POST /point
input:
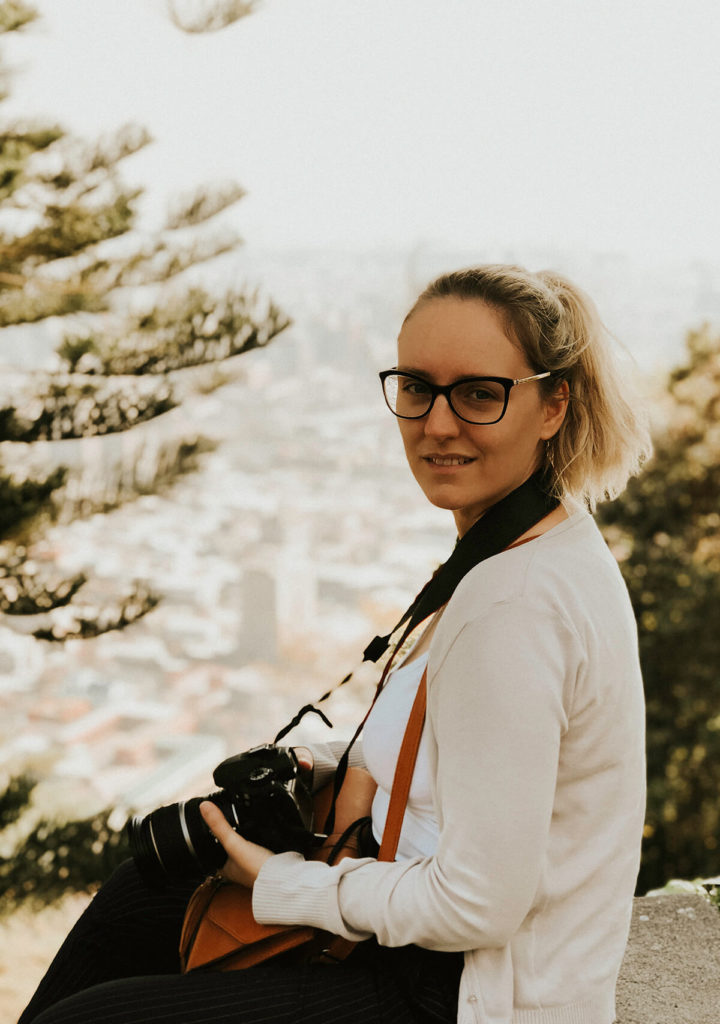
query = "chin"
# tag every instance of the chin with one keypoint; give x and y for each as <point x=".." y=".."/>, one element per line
<point x="449" y="502"/>
<point x="445" y="503"/>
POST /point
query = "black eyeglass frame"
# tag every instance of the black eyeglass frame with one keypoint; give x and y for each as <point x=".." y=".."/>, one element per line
<point x="446" y="390"/>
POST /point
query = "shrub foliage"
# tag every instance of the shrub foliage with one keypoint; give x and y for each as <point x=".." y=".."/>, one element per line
<point x="666" y="531"/>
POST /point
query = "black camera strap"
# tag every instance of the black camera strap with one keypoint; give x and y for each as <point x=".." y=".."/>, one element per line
<point x="502" y="524"/>
<point x="498" y="528"/>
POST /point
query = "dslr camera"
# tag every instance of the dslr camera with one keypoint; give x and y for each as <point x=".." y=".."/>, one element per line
<point x="261" y="795"/>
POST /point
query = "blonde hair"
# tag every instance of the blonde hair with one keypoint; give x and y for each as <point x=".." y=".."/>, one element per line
<point x="604" y="438"/>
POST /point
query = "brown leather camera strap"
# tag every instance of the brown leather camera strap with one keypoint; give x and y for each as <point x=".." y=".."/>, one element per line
<point x="342" y="767"/>
<point x="403" y="774"/>
<point x="341" y="948"/>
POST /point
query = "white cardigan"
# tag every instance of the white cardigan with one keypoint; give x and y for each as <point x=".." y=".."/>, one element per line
<point x="536" y="740"/>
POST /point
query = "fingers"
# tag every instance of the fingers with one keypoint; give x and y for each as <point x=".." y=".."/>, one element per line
<point x="244" y="858"/>
<point x="306" y="764"/>
<point x="304" y="757"/>
<point x="217" y="823"/>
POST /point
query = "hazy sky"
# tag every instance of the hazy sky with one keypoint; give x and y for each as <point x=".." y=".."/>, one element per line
<point x="590" y="123"/>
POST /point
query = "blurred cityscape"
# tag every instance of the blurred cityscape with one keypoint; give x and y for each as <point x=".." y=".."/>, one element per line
<point x="299" y="537"/>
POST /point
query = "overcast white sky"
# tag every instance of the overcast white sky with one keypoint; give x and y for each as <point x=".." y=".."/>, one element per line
<point x="590" y="123"/>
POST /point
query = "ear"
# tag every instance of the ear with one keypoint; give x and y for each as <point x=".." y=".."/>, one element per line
<point x="555" y="408"/>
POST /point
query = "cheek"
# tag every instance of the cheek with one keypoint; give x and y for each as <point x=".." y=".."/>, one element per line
<point x="410" y="434"/>
<point x="486" y="439"/>
<point x="516" y="433"/>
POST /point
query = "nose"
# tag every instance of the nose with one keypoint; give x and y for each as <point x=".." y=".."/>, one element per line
<point x="441" y="421"/>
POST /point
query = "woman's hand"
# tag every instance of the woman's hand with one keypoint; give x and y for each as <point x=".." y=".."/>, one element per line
<point x="244" y="858"/>
<point x="306" y="764"/>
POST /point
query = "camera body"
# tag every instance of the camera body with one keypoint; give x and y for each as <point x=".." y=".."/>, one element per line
<point x="261" y="795"/>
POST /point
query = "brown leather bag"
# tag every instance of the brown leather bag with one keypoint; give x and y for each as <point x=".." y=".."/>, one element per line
<point x="219" y="931"/>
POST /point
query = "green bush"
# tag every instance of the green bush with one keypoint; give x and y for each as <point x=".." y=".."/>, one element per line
<point x="666" y="531"/>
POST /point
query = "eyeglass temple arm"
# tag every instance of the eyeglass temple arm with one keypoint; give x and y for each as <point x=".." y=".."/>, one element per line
<point x="535" y="376"/>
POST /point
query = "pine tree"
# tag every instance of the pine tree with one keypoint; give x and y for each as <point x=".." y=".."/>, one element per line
<point x="71" y="242"/>
<point x="56" y="856"/>
<point x="665" y="530"/>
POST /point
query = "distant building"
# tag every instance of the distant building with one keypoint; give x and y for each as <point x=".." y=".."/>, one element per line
<point x="259" y="630"/>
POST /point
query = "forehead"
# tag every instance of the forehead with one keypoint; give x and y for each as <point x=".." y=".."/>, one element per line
<point x="449" y="337"/>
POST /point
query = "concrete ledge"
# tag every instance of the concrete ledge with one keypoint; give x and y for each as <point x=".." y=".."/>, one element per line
<point x="671" y="970"/>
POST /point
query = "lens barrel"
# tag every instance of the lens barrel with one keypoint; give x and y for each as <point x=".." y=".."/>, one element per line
<point x="173" y="842"/>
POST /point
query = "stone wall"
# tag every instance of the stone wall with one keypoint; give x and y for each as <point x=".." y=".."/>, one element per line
<point x="671" y="971"/>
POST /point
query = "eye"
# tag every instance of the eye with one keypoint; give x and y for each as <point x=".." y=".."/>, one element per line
<point x="414" y="388"/>
<point x="480" y="392"/>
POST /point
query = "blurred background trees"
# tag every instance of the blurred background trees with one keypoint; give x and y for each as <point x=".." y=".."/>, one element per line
<point x="52" y="856"/>
<point x="665" y="531"/>
<point x="135" y="335"/>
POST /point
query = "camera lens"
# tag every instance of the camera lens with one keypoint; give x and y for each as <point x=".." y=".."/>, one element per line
<point x="262" y="800"/>
<point x="174" y="841"/>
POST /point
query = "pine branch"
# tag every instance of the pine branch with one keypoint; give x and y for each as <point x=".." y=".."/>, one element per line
<point x="17" y="146"/>
<point x="66" y="231"/>
<point x="15" y="14"/>
<point x="58" y="857"/>
<point x="27" y="140"/>
<point x="55" y="407"/>
<point x="204" y="203"/>
<point x="199" y="16"/>
<point x="24" y="590"/>
<point x="79" y="161"/>
<point x="30" y="306"/>
<point x="156" y="263"/>
<point x="28" y="297"/>
<point x="80" y="619"/>
<point x="15" y="798"/>
<point x="20" y="499"/>
<point x="192" y="329"/>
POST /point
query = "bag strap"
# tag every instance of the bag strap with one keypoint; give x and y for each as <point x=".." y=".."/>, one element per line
<point x="340" y="948"/>
<point x="403" y="774"/>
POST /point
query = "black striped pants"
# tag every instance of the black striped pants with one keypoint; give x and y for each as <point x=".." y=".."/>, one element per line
<point x="119" y="965"/>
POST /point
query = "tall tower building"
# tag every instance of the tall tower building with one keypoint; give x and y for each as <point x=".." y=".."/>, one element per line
<point x="259" y="639"/>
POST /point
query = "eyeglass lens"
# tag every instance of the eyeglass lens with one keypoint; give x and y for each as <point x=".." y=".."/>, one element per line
<point x="478" y="401"/>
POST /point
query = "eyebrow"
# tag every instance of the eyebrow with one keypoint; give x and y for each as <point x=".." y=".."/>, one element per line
<point x="410" y="369"/>
<point x="426" y="376"/>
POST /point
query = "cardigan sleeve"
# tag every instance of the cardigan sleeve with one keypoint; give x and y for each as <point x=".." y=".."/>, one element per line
<point x="496" y="714"/>
<point x="326" y="757"/>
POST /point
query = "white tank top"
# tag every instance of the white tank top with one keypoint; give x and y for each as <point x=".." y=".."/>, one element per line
<point x="382" y="737"/>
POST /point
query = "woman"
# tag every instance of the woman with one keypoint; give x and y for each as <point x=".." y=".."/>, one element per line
<point x="510" y="897"/>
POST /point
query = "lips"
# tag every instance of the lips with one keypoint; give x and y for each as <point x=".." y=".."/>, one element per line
<point x="447" y="460"/>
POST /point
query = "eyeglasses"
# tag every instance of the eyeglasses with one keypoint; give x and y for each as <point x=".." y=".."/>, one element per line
<point x="479" y="400"/>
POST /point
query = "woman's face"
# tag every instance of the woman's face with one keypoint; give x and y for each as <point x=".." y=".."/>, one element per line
<point x="463" y="466"/>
